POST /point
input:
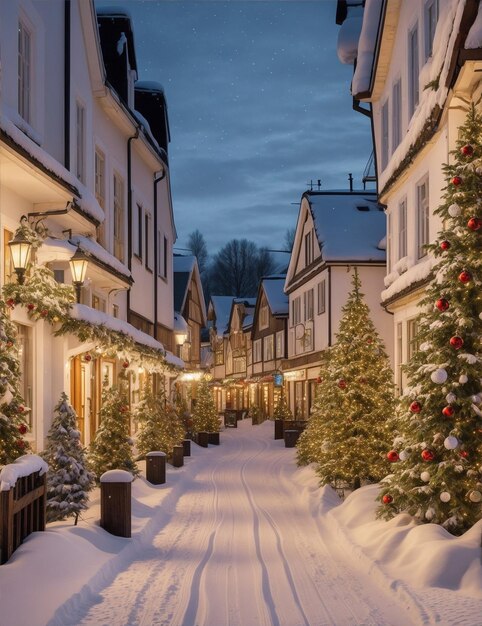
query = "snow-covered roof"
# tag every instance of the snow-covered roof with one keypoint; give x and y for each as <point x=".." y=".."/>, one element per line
<point x="349" y="225"/>
<point x="183" y="263"/>
<point x="222" y="310"/>
<point x="86" y="200"/>
<point x="277" y="299"/>
<point x="149" y="85"/>
<point x="248" y="321"/>
<point x="180" y="324"/>
<point x="406" y="273"/>
<point x="112" y="11"/>
<point x="367" y="42"/>
<point x="349" y="35"/>
<point x="93" y="248"/>
<point x="474" y="38"/>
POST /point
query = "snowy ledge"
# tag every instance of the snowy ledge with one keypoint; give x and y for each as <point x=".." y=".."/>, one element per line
<point x="87" y="201"/>
<point x="414" y="274"/>
<point x="23" y="466"/>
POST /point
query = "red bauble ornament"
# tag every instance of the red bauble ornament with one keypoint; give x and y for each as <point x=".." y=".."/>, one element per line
<point x="21" y="408"/>
<point x="125" y="365"/>
<point x="124" y="409"/>
<point x="342" y="384"/>
<point x="442" y="304"/>
<point x="319" y="379"/>
<point x="30" y="306"/>
<point x="464" y="454"/>
<point x="387" y="499"/>
<point x="20" y="443"/>
<point x="457" y="180"/>
<point x="456" y="342"/>
<point x="448" y="411"/>
<point x="415" y="407"/>
<point x="392" y="456"/>
<point x="11" y="303"/>
<point x="44" y="312"/>
<point x="428" y="455"/>
<point x="9" y="344"/>
<point x="363" y="381"/>
<point x="465" y="277"/>
<point x="445" y="245"/>
<point x="467" y="150"/>
<point x="88" y="358"/>
<point x="22" y="429"/>
<point x="474" y="223"/>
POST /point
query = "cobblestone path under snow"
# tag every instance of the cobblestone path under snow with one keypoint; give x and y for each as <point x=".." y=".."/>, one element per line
<point x="240" y="546"/>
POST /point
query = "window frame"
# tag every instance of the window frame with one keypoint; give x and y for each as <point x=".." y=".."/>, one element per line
<point x="396" y="114"/>
<point x="321" y="293"/>
<point x="309" y="309"/>
<point x="118" y="215"/>
<point x="423" y="217"/>
<point x="413" y="68"/>
<point x="308" y="239"/>
<point x="402" y="228"/>
<point x="385" y="143"/>
<point x="430" y="20"/>
<point x="268" y="348"/>
<point x="80" y="140"/>
<point x="280" y="344"/>
<point x="147" y="234"/>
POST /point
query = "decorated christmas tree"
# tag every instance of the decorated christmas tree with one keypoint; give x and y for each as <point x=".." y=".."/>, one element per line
<point x="437" y="471"/>
<point x="68" y="479"/>
<point x="161" y="428"/>
<point x="204" y="414"/>
<point x="282" y="410"/>
<point x="355" y="399"/>
<point x="12" y="409"/>
<point x="112" y="446"/>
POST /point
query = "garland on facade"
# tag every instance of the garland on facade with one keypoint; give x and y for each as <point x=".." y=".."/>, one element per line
<point x="46" y="299"/>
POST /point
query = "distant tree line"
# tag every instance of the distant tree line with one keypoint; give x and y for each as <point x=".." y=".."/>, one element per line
<point x="236" y="269"/>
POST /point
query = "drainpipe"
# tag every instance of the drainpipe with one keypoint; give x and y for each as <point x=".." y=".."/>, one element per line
<point x="67" y="84"/>
<point x="129" y="213"/>
<point x="329" y="305"/>
<point x="156" y="248"/>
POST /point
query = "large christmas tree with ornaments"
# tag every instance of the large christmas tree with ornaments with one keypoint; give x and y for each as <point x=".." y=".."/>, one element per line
<point x="436" y="472"/>
<point x="355" y="398"/>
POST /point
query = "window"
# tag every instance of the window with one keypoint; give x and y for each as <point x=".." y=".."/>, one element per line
<point x="98" y="303"/>
<point x="396" y="114"/>
<point x="268" y="348"/>
<point x="80" y="142"/>
<point x="308" y="302"/>
<point x="137" y="231"/>
<point x="399" y="372"/>
<point x="422" y="218"/>
<point x="389" y="243"/>
<point x="296" y="311"/>
<point x="412" y="343"/>
<point x="99" y="184"/>
<point x="321" y="288"/>
<point x="413" y="69"/>
<point x="25" y="354"/>
<point x="59" y="276"/>
<point x="280" y="344"/>
<point x="384" y="160"/>
<point x="24" y="72"/>
<point x="219" y="354"/>
<point x="263" y="316"/>
<point x="239" y="364"/>
<point x="402" y="229"/>
<point x="308" y="248"/>
<point x="118" y="217"/>
<point x="257" y="351"/>
<point x="115" y="310"/>
<point x="430" y="22"/>
<point x="164" y="265"/>
<point x="148" y="230"/>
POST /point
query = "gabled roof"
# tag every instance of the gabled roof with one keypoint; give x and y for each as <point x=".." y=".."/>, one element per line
<point x="220" y="307"/>
<point x="249" y="305"/>
<point x="349" y="225"/>
<point x="273" y="287"/>
<point x="185" y="270"/>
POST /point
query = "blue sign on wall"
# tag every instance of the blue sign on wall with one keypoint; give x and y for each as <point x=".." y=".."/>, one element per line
<point x="278" y="380"/>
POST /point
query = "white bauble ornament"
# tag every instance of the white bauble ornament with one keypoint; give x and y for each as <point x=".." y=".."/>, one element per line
<point x="454" y="210"/>
<point x="439" y="376"/>
<point x="445" y="496"/>
<point x="425" y="346"/>
<point x="429" y="514"/>
<point x="475" y="496"/>
<point x="425" y="476"/>
<point x="476" y="399"/>
<point x="403" y="456"/>
<point x="459" y="469"/>
<point x="463" y="379"/>
<point x="451" y="398"/>
<point x="451" y="442"/>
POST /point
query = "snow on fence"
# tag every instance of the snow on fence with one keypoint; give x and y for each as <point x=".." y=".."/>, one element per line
<point x="23" y="498"/>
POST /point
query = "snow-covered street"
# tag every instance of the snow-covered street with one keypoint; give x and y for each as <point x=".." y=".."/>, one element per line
<point x="242" y="537"/>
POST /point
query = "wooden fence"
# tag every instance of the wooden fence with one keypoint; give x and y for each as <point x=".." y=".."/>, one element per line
<point x="22" y="511"/>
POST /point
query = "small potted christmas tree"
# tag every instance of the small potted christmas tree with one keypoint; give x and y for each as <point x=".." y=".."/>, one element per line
<point x="281" y="412"/>
<point x="68" y="480"/>
<point x="205" y="416"/>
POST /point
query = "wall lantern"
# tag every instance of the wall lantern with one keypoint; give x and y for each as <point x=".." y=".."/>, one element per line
<point x="20" y="253"/>
<point x="78" y="266"/>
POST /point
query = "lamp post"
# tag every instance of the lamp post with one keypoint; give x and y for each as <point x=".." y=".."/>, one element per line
<point x="20" y="253"/>
<point x="78" y="267"/>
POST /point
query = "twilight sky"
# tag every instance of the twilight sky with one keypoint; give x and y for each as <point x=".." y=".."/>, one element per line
<point x="259" y="105"/>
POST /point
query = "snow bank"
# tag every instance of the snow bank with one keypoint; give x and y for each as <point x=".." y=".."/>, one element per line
<point x="156" y="453"/>
<point x="410" y="275"/>
<point x="23" y="466"/>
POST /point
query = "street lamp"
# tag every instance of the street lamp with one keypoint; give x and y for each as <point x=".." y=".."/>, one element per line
<point x="20" y="253"/>
<point x="78" y="267"/>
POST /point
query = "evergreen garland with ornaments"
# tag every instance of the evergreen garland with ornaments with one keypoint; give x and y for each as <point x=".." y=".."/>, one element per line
<point x="68" y="480"/>
<point x="436" y="459"/>
<point x="13" y="426"/>
<point x="112" y="445"/>
<point x="348" y="426"/>
<point x="204" y="413"/>
<point x="161" y="428"/>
